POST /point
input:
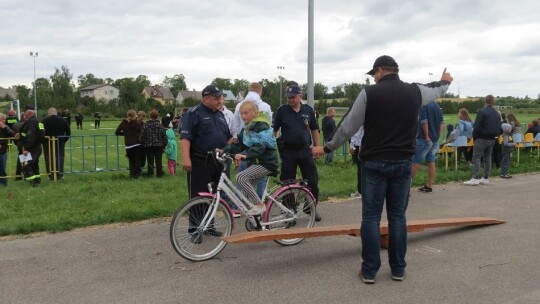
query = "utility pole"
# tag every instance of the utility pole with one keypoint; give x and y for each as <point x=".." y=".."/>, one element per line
<point x="35" y="54"/>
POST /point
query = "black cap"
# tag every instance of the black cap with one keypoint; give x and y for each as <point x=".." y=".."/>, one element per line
<point x="29" y="107"/>
<point x="211" y="90"/>
<point x="383" y="61"/>
<point x="293" y="90"/>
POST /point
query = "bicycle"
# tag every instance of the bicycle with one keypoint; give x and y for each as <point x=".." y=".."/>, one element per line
<point x="197" y="228"/>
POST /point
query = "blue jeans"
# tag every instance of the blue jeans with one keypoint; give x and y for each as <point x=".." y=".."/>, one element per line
<point x="390" y="180"/>
<point x="3" y="162"/>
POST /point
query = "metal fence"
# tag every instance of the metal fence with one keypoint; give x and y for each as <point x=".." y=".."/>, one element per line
<point x="83" y="154"/>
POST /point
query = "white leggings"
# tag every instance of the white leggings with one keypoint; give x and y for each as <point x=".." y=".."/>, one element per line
<point x="248" y="178"/>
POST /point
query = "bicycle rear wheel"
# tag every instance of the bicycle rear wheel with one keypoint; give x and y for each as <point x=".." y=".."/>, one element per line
<point x="187" y="233"/>
<point x="301" y="202"/>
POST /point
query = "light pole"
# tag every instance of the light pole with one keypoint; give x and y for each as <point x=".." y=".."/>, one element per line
<point x="430" y="74"/>
<point x="35" y="54"/>
<point x="280" y="68"/>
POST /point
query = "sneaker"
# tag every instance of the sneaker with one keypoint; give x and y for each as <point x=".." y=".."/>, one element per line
<point x="507" y="176"/>
<point x="236" y="213"/>
<point x="196" y="238"/>
<point x="356" y="195"/>
<point x="484" y="181"/>
<point x="257" y="209"/>
<point x="213" y="232"/>
<point x="425" y="189"/>
<point x="365" y="279"/>
<point x="398" y="277"/>
<point x="472" y="182"/>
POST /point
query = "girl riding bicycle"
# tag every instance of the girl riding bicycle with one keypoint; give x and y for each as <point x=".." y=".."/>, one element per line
<point x="257" y="145"/>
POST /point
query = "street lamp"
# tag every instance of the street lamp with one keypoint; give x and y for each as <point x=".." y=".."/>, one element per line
<point x="280" y="68"/>
<point x="430" y="74"/>
<point x="35" y="93"/>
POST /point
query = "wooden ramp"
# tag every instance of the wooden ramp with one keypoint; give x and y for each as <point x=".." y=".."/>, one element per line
<point x="354" y="230"/>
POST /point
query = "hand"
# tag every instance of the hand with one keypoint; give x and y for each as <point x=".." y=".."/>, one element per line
<point x="239" y="157"/>
<point x="446" y="76"/>
<point x="317" y="151"/>
<point x="352" y="149"/>
<point x="186" y="164"/>
<point x="25" y="153"/>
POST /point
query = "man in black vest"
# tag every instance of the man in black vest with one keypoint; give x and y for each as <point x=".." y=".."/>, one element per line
<point x="388" y="111"/>
<point x="57" y="132"/>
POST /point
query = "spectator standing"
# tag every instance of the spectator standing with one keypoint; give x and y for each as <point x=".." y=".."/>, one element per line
<point x="355" y="148"/>
<point x="66" y="115"/>
<point x="11" y="119"/>
<point x="172" y="151"/>
<point x="166" y="121"/>
<point x="427" y="142"/>
<point x="97" y="120"/>
<point x="328" y="128"/>
<point x="58" y="128"/>
<point x="154" y="140"/>
<point x="79" y="120"/>
<point x="16" y="128"/>
<point x="141" y="118"/>
<point x="30" y="139"/>
<point x="204" y="129"/>
<point x="130" y="128"/>
<point x="506" y="151"/>
<point x="487" y="127"/>
<point x="387" y="149"/>
<point x="299" y="130"/>
<point x="5" y="132"/>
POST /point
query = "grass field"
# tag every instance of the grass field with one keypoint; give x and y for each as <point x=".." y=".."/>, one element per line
<point x="85" y="198"/>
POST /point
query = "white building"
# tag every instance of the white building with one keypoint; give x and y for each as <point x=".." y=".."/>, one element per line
<point x="100" y="91"/>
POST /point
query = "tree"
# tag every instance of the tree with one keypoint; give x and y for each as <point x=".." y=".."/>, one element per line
<point x="23" y="93"/>
<point x="142" y="82"/>
<point x="239" y="85"/>
<point x="130" y="95"/>
<point x="88" y="80"/>
<point x="176" y="83"/>
<point x="44" y="94"/>
<point x="62" y="88"/>
<point x="222" y="83"/>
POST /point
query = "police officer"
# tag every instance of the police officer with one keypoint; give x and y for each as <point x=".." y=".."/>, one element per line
<point x="57" y="127"/>
<point x="30" y="143"/>
<point x="11" y="119"/>
<point x="299" y="130"/>
<point x="204" y="129"/>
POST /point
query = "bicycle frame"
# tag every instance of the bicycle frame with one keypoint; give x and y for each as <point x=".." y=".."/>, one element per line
<point x="237" y="197"/>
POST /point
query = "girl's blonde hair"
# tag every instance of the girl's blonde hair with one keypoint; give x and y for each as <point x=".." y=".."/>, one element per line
<point x="512" y="118"/>
<point x="464" y="114"/>
<point x="131" y="115"/>
<point x="251" y="105"/>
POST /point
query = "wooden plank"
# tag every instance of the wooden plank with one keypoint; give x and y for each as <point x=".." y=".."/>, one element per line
<point x="354" y="229"/>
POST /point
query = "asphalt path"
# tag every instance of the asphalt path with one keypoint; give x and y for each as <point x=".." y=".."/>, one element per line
<point x="135" y="263"/>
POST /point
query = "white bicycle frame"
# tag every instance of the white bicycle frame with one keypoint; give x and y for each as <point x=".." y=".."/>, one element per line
<point x="237" y="197"/>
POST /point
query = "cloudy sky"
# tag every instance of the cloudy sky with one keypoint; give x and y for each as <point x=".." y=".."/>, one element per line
<point x="489" y="46"/>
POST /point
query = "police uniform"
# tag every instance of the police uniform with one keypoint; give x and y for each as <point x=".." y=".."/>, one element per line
<point x="294" y="144"/>
<point x="207" y="130"/>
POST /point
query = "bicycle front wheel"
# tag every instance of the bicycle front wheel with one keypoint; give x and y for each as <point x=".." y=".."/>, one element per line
<point x="188" y="234"/>
<point x="301" y="204"/>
